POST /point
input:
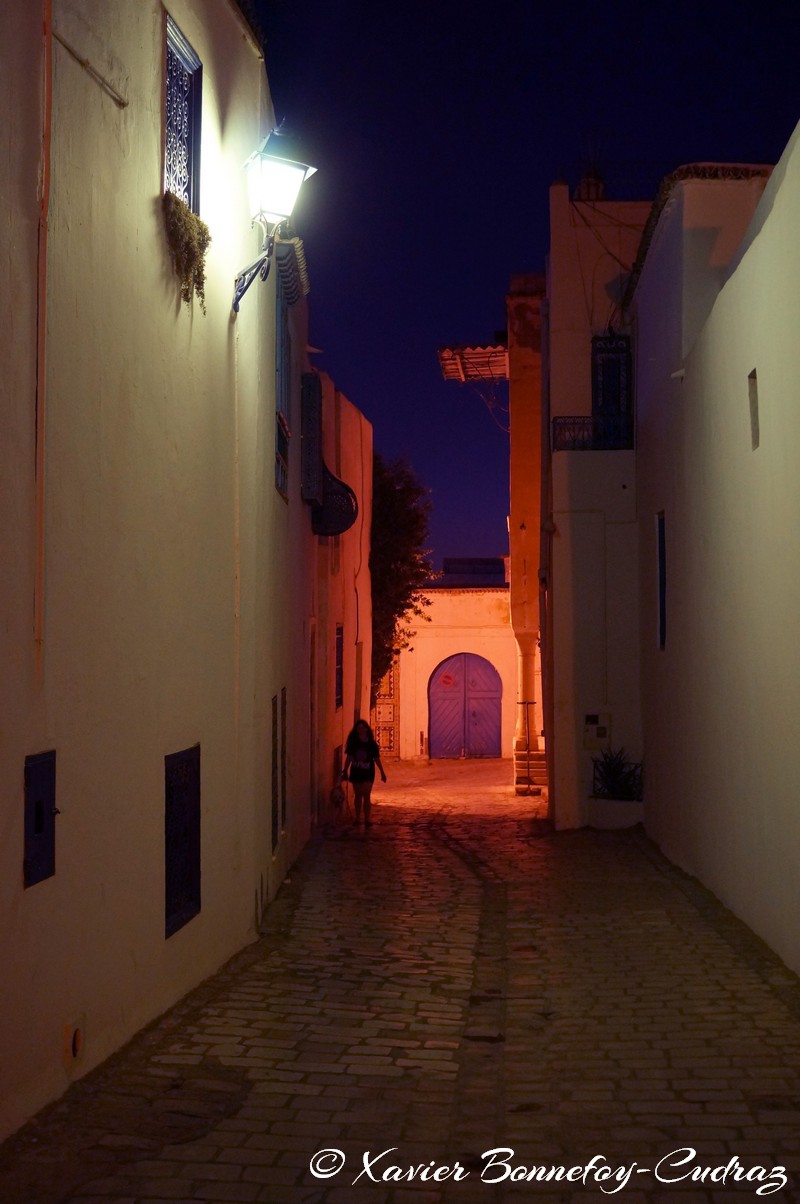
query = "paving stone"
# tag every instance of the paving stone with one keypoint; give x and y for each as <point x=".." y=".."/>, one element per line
<point x="460" y="980"/>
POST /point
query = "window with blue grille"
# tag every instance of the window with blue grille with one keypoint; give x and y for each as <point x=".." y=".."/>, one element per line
<point x="611" y="376"/>
<point x="181" y="838"/>
<point x="39" y="851"/>
<point x="612" y="391"/>
<point x="182" y="114"/>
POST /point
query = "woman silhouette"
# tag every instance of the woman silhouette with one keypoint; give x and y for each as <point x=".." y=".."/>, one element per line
<point x="361" y="756"/>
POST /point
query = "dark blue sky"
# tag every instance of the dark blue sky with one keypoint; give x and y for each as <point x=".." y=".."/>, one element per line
<point x="438" y="128"/>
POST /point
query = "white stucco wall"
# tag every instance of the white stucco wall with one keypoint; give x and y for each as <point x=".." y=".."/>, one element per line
<point x="591" y="661"/>
<point x="595" y="620"/>
<point x="178" y="594"/>
<point x="461" y="620"/>
<point x="344" y="595"/>
<point x="722" y="696"/>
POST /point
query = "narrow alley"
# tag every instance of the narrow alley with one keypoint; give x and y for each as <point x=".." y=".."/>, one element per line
<point x="453" y="981"/>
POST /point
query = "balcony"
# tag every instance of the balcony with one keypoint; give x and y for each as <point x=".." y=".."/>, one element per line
<point x="585" y="433"/>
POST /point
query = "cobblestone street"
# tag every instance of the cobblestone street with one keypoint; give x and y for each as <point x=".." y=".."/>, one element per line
<point x="453" y="980"/>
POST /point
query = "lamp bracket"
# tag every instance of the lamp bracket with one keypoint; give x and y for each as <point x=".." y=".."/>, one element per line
<point x="259" y="267"/>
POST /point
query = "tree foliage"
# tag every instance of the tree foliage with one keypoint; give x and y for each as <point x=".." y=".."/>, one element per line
<point x="398" y="559"/>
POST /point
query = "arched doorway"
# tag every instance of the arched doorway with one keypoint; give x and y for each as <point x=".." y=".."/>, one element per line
<point x="464" y="708"/>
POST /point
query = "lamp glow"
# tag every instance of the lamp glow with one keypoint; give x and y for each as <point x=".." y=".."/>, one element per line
<point x="274" y="186"/>
<point x="274" y="181"/>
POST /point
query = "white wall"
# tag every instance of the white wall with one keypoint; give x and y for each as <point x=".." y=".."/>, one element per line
<point x="461" y="620"/>
<point x="591" y="659"/>
<point x="177" y="583"/>
<point x="721" y="698"/>
<point x="595" y="621"/>
<point x="345" y="591"/>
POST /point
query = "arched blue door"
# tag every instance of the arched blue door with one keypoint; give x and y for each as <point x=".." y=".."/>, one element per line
<point x="464" y="707"/>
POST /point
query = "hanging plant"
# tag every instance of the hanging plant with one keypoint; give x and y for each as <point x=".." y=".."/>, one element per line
<point x="188" y="238"/>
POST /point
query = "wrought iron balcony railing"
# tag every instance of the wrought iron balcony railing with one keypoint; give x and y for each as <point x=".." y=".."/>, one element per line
<point x="593" y="434"/>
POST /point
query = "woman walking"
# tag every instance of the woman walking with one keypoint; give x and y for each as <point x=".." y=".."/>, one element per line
<point x="361" y="756"/>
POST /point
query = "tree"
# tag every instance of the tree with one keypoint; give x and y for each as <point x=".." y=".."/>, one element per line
<point x="398" y="561"/>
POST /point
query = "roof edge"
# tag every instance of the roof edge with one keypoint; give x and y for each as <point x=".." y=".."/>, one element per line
<point x="689" y="171"/>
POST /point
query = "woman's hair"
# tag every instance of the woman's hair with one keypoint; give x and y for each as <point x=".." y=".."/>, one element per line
<point x="354" y="736"/>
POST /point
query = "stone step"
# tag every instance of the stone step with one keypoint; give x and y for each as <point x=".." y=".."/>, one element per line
<point x="530" y="768"/>
<point x="538" y="778"/>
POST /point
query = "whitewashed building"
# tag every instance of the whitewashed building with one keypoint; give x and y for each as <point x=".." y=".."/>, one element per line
<point x="455" y="683"/>
<point x="588" y="570"/>
<point x="170" y="497"/>
<point x="670" y="555"/>
<point x="716" y="306"/>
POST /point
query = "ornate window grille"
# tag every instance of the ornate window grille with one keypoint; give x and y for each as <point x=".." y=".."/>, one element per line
<point x="183" y="105"/>
<point x="585" y="433"/>
<point x="611" y="376"/>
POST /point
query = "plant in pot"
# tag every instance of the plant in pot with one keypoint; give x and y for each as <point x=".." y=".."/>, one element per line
<point x="616" y="777"/>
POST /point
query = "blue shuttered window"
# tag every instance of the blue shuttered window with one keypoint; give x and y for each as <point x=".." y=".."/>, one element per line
<point x="311" y="439"/>
<point x="276" y="813"/>
<point x="283" y="389"/>
<point x="283" y="757"/>
<point x="181" y="838"/>
<point x="39" y="855"/>
<point x="661" y="529"/>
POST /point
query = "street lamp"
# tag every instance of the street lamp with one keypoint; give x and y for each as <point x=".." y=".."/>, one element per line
<point x="274" y="180"/>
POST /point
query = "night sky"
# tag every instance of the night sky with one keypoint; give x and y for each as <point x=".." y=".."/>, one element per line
<point x="437" y="129"/>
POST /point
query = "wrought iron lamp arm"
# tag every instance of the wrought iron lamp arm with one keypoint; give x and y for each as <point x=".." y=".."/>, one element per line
<point x="259" y="267"/>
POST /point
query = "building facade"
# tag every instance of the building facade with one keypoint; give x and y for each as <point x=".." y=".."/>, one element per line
<point x="168" y="699"/>
<point x="514" y="362"/>
<point x="588" y="570"/>
<point x="715" y="306"/>
<point x="344" y="604"/>
<point x="669" y="555"/>
<point x="457" y="679"/>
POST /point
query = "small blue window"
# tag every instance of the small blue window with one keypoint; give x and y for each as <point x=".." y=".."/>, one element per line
<point x="183" y="107"/>
<point x="39" y="855"/>
<point x="283" y="390"/>
<point x="283" y="757"/>
<point x="276" y="812"/>
<point x="181" y="838"/>
<point x="662" y="580"/>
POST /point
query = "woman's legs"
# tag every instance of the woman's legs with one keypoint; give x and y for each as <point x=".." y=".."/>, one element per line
<point x="367" y="802"/>
<point x="361" y="795"/>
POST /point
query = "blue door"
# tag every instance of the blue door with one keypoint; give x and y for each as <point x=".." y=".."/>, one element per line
<point x="464" y="707"/>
